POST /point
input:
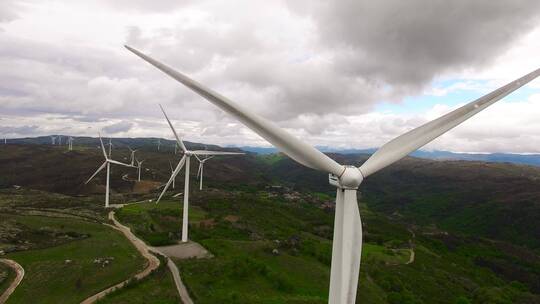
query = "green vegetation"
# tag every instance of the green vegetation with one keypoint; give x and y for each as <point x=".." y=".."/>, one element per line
<point x="74" y="270"/>
<point x="158" y="287"/>
<point x="158" y="224"/>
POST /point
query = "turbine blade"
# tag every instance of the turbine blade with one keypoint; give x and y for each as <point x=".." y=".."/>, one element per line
<point x="118" y="163"/>
<point x="103" y="147"/>
<point x="178" y="140"/>
<point x="97" y="171"/>
<point x="402" y="145"/>
<point x="206" y="152"/>
<point x="290" y="145"/>
<point x="173" y="176"/>
<point x="200" y="167"/>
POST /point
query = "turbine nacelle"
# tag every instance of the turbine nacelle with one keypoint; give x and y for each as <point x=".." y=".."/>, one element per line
<point x="350" y="179"/>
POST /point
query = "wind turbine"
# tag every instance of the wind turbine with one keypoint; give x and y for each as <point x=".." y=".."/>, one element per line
<point x="53" y="140"/>
<point x="347" y="242"/>
<point x="139" y="166"/>
<point x="70" y="143"/>
<point x="59" y="140"/>
<point x="158" y="143"/>
<point x="201" y="168"/>
<point x="110" y="146"/>
<point x="132" y="156"/>
<point x="107" y="163"/>
<point x="186" y="159"/>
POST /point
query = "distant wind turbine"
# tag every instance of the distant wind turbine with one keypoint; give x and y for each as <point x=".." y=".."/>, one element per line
<point x="201" y="168"/>
<point x="110" y="146"/>
<point x="59" y="140"/>
<point x="172" y="171"/>
<point x="70" y="143"/>
<point x="132" y="156"/>
<point x="139" y="166"/>
<point x="158" y="143"/>
<point x="186" y="159"/>
<point x="347" y="242"/>
<point x="107" y="163"/>
<point x="53" y="140"/>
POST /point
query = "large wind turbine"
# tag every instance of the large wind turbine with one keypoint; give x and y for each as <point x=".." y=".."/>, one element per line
<point x="347" y="242"/>
<point x="186" y="160"/>
<point x="107" y="163"/>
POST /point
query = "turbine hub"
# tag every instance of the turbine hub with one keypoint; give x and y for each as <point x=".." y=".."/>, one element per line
<point x="351" y="178"/>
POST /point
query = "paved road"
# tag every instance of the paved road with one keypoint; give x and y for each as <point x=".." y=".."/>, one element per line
<point x="153" y="261"/>
<point x="18" y="278"/>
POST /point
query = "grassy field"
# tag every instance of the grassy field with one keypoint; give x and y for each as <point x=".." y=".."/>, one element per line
<point x="157" y="288"/>
<point x="266" y="250"/>
<point x="72" y="271"/>
<point x="158" y="224"/>
<point x="7" y="275"/>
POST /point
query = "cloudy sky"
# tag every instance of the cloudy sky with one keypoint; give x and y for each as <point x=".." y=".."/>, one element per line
<point x="348" y="74"/>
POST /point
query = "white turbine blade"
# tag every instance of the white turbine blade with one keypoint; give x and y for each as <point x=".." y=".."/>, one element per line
<point x="200" y="167"/>
<point x="346" y="249"/>
<point x="97" y="171"/>
<point x="173" y="176"/>
<point x="118" y="163"/>
<point x="103" y="147"/>
<point x="206" y="152"/>
<point x="290" y="145"/>
<point x="403" y="145"/>
<point x="178" y="140"/>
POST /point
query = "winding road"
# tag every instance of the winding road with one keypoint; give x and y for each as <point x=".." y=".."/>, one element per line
<point x="18" y="278"/>
<point x="153" y="261"/>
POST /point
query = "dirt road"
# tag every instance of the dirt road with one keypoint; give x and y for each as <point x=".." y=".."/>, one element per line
<point x="153" y="261"/>
<point x="18" y="278"/>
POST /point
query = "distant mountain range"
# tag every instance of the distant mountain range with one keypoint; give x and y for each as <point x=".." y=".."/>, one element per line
<point x="146" y="143"/>
<point x="525" y="159"/>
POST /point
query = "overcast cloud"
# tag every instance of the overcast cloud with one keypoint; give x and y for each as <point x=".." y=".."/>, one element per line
<point x="322" y="69"/>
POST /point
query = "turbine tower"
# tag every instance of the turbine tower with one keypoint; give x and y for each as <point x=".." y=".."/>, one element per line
<point x="347" y="242"/>
<point x="59" y="140"/>
<point x="158" y="143"/>
<point x="107" y="163"/>
<point x="139" y="166"/>
<point x="186" y="159"/>
<point x="53" y="140"/>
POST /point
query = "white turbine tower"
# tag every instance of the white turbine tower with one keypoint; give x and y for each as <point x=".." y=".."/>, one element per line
<point x="132" y="156"/>
<point x="158" y="143"/>
<point x="107" y="163"/>
<point x="186" y="159"/>
<point x="347" y="242"/>
<point x="59" y="140"/>
<point x="53" y="140"/>
<point x="139" y="166"/>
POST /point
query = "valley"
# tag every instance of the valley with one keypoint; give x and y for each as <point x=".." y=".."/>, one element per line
<point x="269" y="230"/>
